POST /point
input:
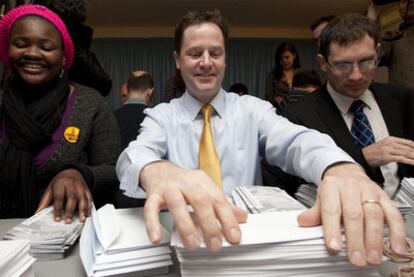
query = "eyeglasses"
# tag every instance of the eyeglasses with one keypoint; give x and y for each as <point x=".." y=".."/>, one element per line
<point x="347" y="67"/>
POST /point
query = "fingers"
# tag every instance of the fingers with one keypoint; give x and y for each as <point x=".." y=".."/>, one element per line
<point x="331" y="210"/>
<point x="396" y="225"/>
<point x="374" y="225"/>
<point x="229" y="216"/>
<point x="184" y="222"/>
<point x="311" y="217"/>
<point x="68" y="190"/>
<point x="71" y="203"/>
<point x="151" y="215"/>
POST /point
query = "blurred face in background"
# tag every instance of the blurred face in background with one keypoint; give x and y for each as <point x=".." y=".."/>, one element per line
<point x="287" y="59"/>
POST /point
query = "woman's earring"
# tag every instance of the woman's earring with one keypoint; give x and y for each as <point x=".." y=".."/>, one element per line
<point x="61" y="73"/>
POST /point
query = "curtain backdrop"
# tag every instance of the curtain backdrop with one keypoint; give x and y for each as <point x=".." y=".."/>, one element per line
<point x="249" y="60"/>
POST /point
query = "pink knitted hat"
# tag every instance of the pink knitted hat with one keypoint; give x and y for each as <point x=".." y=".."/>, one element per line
<point x="6" y="23"/>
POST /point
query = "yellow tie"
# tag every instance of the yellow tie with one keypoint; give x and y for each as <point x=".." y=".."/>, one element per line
<point x="209" y="161"/>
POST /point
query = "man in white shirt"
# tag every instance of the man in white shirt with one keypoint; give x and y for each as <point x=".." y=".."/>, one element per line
<point x="164" y="160"/>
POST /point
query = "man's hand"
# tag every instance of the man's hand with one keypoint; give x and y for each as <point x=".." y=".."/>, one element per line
<point x="348" y="195"/>
<point x="172" y="187"/>
<point x="68" y="188"/>
<point x="390" y="149"/>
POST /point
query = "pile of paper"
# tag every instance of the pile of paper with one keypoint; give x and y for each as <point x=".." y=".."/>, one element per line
<point x="404" y="199"/>
<point x="272" y="245"/>
<point x="261" y="199"/>
<point x="115" y="242"/>
<point x="49" y="240"/>
<point x="406" y="192"/>
<point x="15" y="259"/>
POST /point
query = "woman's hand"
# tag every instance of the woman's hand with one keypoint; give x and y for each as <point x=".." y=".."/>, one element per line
<point x="68" y="190"/>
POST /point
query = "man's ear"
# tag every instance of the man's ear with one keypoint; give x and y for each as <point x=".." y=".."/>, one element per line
<point x="322" y="62"/>
<point x="379" y="49"/>
<point x="150" y="91"/>
<point x="177" y="60"/>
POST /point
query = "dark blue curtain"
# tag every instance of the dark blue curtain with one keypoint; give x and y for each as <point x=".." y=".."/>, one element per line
<point x="248" y="61"/>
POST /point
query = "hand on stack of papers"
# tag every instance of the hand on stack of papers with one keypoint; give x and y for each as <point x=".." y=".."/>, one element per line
<point x="272" y="243"/>
<point x="49" y="240"/>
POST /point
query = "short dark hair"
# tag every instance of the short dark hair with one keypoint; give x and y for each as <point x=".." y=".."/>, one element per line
<point x="347" y="28"/>
<point x="306" y="78"/>
<point x="321" y="20"/>
<point x="239" y="87"/>
<point x="195" y="18"/>
<point x="139" y="83"/>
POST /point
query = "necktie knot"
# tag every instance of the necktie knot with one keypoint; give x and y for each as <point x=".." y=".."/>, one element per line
<point x="357" y="106"/>
<point x="207" y="110"/>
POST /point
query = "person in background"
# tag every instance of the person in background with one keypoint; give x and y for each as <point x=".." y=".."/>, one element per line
<point x="318" y="25"/>
<point x="239" y="88"/>
<point x="279" y="80"/>
<point x="304" y="82"/>
<point x="140" y="87"/>
<point x="199" y="147"/>
<point x="58" y="140"/>
<point x="372" y="122"/>
<point x="397" y="47"/>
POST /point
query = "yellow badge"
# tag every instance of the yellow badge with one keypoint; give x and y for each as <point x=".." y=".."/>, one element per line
<point x="72" y="134"/>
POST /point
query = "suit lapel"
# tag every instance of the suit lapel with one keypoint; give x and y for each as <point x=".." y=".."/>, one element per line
<point x="390" y="109"/>
<point x="331" y="117"/>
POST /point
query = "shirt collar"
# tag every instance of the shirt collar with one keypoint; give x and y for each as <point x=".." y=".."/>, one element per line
<point x="135" y="101"/>
<point x="193" y="106"/>
<point x="344" y="102"/>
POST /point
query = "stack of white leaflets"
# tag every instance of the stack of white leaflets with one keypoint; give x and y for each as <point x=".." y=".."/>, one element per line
<point x="406" y="192"/>
<point x="49" y="240"/>
<point x="272" y="244"/>
<point x="15" y="259"/>
<point x="403" y="200"/>
<point x="260" y="199"/>
<point x="115" y="242"/>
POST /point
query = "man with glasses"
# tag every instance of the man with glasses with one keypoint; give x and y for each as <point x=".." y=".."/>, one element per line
<point x="371" y="122"/>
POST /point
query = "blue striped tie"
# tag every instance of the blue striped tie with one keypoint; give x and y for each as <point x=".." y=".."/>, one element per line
<point x="361" y="129"/>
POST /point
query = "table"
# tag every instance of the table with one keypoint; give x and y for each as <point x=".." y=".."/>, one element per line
<point x="71" y="265"/>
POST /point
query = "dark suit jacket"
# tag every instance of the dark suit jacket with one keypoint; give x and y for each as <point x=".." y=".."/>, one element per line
<point x="318" y="111"/>
<point x="130" y="117"/>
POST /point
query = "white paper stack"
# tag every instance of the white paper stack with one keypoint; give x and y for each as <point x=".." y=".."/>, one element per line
<point x="49" y="240"/>
<point x="272" y="245"/>
<point x="115" y="242"/>
<point x="15" y="259"/>
<point x="406" y="193"/>
<point x="261" y="199"/>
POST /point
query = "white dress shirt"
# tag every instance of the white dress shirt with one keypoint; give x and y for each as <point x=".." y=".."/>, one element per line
<point x="377" y="122"/>
<point x="244" y="129"/>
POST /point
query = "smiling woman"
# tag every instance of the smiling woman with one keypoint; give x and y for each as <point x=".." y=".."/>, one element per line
<point x="58" y="140"/>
